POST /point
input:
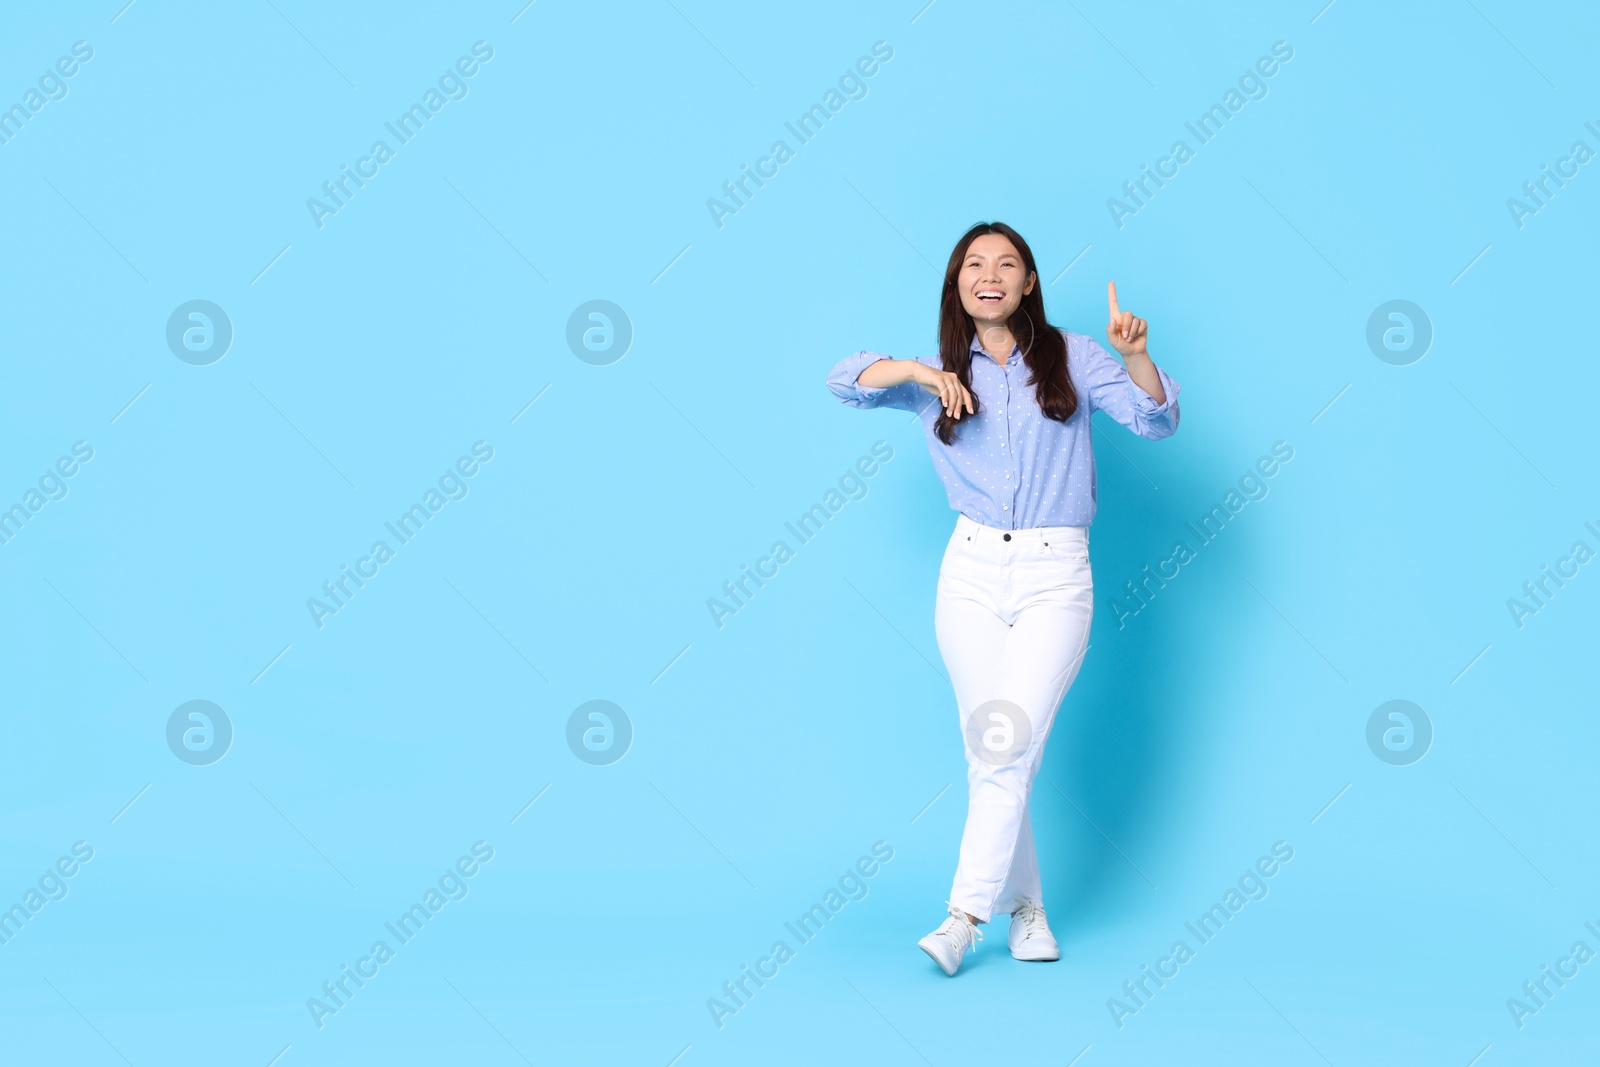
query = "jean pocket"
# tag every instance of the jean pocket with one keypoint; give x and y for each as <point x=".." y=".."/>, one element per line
<point x="1068" y="551"/>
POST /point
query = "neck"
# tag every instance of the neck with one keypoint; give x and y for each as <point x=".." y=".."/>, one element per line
<point x="996" y="340"/>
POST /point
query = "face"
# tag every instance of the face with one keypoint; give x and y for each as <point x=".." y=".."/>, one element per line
<point x="992" y="281"/>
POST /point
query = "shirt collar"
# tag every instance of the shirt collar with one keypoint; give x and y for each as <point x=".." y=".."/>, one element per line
<point x="976" y="348"/>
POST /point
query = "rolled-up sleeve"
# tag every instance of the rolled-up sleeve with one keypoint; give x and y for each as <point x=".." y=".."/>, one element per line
<point x="1113" y="391"/>
<point x="908" y="396"/>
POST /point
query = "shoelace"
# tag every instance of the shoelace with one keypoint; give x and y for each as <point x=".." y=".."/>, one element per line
<point x="974" y="935"/>
<point x="1031" y="916"/>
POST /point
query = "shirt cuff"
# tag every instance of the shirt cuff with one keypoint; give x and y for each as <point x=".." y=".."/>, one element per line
<point x="1146" y="404"/>
<point x="842" y="380"/>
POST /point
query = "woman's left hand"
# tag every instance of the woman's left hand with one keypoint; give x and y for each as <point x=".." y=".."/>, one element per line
<point x="1126" y="333"/>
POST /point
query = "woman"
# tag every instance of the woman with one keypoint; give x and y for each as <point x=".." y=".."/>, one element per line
<point x="1015" y="594"/>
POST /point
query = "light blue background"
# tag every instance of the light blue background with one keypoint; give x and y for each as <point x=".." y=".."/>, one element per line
<point x="771" y="753"/>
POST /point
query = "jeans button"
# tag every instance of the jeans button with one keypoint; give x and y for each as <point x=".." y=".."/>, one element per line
<point x="1007" y="537"/>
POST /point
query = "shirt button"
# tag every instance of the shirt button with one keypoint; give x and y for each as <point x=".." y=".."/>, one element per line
<point x="1005" y="507"/>
<point x="1006" y="536"/>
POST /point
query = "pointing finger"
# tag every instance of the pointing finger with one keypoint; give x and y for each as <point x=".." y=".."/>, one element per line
<point x="1111" y="298"/>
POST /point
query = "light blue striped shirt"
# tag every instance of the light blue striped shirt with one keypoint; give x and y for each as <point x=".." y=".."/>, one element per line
<point x="1010" y="467"/>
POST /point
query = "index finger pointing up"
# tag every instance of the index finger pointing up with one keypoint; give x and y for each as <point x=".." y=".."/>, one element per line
<point x="1111" y="297"/>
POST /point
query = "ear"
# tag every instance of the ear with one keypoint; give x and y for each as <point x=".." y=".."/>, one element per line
<point x="1032" y="278"/>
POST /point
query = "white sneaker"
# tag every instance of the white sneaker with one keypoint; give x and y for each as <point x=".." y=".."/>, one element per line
<point x="1030" y="935"/>
<point x="948" y="944"/>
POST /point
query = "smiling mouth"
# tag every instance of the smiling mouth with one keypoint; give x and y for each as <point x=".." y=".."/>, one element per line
<point x="991" y="296"/>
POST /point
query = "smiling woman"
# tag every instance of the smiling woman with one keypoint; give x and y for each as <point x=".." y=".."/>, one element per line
<point x="1016" y="594"/>
<point x="996" y="282"/>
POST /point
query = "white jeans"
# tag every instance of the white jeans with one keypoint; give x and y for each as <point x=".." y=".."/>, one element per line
<point x="1012" y="618"/>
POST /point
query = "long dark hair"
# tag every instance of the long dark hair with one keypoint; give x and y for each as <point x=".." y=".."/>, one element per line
<point x="1044" y="350"/>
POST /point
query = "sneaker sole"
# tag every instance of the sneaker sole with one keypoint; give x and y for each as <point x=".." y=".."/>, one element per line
<point x="1051" y="958"/>
<point x="950" y="972"/>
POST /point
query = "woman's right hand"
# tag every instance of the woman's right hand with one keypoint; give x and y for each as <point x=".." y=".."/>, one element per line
<point x="946" y="385"/>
